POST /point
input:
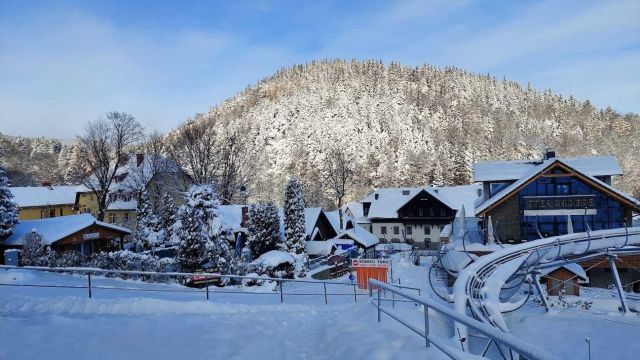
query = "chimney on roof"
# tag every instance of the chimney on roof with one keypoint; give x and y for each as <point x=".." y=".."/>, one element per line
<point x="245" y="217"/>
<point x="139" y="159"/>
<point x="46" y="183"/>
<point x="549" y="153"/>
<point x="376" y="196"/>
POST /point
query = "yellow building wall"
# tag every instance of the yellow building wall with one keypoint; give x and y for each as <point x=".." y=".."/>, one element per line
<point x="88" y="204"/>
<point x="42" y="212"/>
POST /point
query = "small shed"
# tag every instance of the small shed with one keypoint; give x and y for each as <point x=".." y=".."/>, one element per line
<point x="362" y="239"/>
<point x="81" y="233"/>
<point x="567" y="277"/>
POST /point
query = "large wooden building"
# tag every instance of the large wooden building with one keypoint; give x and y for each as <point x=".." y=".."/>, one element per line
<point x="532" y="198"/>
<point x="82" y="233"/>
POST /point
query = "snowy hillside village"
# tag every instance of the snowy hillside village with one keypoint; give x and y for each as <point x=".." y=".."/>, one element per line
<point x="531" y="237"/>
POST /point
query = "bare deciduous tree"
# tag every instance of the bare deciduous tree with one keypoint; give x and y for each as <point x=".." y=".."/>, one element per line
<point x="339" y="173"/>
<point x="213" y="153"/>
<point x="105" y="142"/>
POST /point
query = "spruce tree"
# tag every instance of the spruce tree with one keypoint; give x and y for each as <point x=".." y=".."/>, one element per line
<point x="191" y="228"/>
<point x="167" y="215"/>
<point x="35" y="252"/>
<point x="146" y="235"/>
<point x="264" y="226"/>
<point x="201" y="235"/>
<point x="8" y="209"/>
<point x="294" y="225"/>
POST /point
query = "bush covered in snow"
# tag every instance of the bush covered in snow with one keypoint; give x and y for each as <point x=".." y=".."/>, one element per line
<point x="275" y="264"/>
<point x="130" y="261"/>
<point x="35" y="252"/>
<point x="69" y="259"/>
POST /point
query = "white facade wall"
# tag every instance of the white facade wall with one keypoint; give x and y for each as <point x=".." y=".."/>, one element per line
<point x="418" y="232"/>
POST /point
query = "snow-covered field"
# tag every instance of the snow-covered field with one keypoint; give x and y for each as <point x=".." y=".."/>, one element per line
<point x="52" y="323"/>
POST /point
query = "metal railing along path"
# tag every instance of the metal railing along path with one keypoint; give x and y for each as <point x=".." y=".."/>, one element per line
<point x="494" y="335"/>
<point x="208" y="290"/>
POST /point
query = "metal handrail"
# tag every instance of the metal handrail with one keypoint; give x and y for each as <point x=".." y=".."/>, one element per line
<point x="493" y="334"/>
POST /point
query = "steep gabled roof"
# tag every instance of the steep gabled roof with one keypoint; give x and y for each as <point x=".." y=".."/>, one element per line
<point x="57" y="228"/>
<point x="390" y="200"/>
<point x="32" y="196"/>
<point x="516" y="169"/>
<point x="537" y="171"/>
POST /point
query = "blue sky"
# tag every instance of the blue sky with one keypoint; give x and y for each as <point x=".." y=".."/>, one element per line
<point x="65" y="62"/>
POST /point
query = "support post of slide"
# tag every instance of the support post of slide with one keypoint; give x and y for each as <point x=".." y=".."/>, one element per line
<point x="541" y="294"/>
<point x="616" y="278"/>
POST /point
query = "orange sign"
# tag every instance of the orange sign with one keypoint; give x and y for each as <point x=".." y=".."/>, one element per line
<point x="370" y="269"/>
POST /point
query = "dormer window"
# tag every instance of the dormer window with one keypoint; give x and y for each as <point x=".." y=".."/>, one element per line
<point x="405" y="192"/>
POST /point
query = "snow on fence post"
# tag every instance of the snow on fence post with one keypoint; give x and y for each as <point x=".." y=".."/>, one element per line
<point x="207" y="286"/>
<point x="89" y="287"/>
<point x="324" y="284"/>
<point x="379" y="291"/>
<point x="426" y="325"/>
<point x="355" y="296"/>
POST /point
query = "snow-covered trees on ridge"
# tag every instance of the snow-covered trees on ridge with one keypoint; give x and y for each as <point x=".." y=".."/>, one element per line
<point x="264" y="228"/>
<point x="8" y="209"/>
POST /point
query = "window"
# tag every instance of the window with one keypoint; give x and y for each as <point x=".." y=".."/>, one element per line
<point x="443" y="212"/>
<point x="60" y="212"/>
<point x="409" y="230"/>
<point x="52" y="213"/>
<point x="421" y="211"/>
<point x="383" y="229"/>
<point x="396" y="230"/>
<point x="126" y="216"/>
<point x="427" y="229"/>
<point x="431" y="212"/>
<point x="405" y="192"/>
<point x="112" y="218"/>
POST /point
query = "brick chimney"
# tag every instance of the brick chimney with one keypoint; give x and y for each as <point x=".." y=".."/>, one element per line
<point x="245" y="217"/>
<point x="139" y="159"/>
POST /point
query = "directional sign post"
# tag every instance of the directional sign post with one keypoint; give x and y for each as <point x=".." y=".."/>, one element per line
<point x="370" y="269"/>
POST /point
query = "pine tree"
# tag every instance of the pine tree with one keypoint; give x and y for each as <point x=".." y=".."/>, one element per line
<point x="201" y="235"/>
<point x="8" y="209"/>
<point x="294" y="224"/>
<point x="168" y="215"/>
<point x="146" y="231"/>
<point x="264" y="225"/>
<point x="190" y="230"/>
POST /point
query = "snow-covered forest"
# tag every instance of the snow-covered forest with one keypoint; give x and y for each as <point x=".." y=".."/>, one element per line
<point x="398" y="125"/>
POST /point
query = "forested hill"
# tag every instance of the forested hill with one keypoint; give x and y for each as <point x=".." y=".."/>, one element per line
<point x="406" y="126"/>
<point x="396" y="126"/>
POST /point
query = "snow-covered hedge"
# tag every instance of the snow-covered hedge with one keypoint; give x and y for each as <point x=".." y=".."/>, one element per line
<point x="126" y="260"/>
<point x="275" y="264"/>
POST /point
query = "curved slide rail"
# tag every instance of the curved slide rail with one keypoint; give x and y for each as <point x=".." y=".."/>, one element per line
<point x="478" y="286"/>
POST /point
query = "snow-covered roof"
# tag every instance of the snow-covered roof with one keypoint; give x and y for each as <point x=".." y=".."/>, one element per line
<point x="516" y="169"/>
<point x="571" y="267"/>
<point x="274" y="258"/>
<point x="311" y="216"/>
<point x="538" y="169"/>
<point x="390" y="200"/>
<point x="57" y="228"/>
<point x="321" y="248"/>
<point x="334" y="219"/>
<point x="123" y="205"/>
<point x="231" y="215"/>
<point x="462" y="195"/>
<point x="355" y="208"/>
<point x="359" y="235"/>
<point x="30" y="196"/>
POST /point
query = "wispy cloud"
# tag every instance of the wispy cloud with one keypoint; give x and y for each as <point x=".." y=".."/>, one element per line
<point x="63" y="65"/>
